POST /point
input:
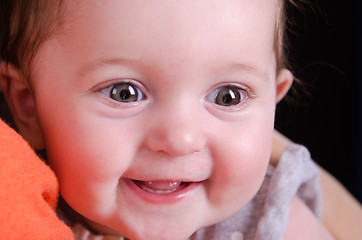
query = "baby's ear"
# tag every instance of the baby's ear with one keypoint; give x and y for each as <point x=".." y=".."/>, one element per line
<point x="21" y="104"/>
<point x="284" y="82"/>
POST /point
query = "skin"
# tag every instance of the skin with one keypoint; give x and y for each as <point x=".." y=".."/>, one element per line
<point x="176" y="159"/>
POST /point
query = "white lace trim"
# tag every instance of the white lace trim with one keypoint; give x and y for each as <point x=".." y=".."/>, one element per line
<point x="81" y="233"/>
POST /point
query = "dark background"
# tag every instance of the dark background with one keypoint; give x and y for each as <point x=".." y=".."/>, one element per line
<point x="326" y="55"/>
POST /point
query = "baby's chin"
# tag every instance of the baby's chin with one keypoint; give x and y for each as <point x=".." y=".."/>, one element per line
<point x="157" y="231"/>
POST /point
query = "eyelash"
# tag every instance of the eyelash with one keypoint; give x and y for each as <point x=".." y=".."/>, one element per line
<point x="235" y="95"/>
<point x="129" y="92"/>
<point x="124" y="92"/>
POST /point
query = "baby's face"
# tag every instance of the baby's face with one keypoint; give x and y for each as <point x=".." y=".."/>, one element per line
<point x="158" y="115"/>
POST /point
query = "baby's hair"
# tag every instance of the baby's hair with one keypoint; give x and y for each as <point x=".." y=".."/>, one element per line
<point x="26" y="25"/>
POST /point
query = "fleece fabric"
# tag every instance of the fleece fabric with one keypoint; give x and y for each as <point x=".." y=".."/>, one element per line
<point x="28" y="192"/>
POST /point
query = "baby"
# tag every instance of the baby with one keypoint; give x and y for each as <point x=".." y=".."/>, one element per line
<point x="157" y="116"/>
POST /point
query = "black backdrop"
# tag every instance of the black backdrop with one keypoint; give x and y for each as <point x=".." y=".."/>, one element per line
<point x="326" y="56"/>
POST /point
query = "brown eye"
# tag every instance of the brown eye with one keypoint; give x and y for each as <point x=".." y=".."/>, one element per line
<point x="226" y="96"/>
<point x="124" y="92"/>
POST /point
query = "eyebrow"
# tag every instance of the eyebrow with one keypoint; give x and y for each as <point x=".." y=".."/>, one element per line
<point x="93" y="65"/>
<point x="253" y="70"/>
<point x="233" y="67"/>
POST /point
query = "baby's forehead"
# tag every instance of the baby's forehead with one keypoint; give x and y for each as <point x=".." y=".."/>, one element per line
<point x="214" y="12"/>
<point x="83" y="13"/>
<point x="195" y="26"/>
<point x="74" y="8"/>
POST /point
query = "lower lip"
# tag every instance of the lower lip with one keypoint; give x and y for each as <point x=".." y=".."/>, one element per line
<point x="168" y="198"/>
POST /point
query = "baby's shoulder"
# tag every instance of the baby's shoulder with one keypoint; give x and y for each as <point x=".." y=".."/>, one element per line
<point x="303" y="224"/>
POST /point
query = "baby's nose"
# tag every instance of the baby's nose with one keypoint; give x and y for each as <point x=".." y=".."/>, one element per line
<point x="177" y="133"/>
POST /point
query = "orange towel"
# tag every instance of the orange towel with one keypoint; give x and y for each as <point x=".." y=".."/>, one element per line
<point x="28" y="192"/>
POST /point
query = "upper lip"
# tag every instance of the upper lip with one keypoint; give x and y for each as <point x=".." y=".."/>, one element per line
<point x="185" y="180"/>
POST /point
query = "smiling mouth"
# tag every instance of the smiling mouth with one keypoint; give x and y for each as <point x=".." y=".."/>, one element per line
<point x="161" y="191"/>
<point x="161" y="187"/>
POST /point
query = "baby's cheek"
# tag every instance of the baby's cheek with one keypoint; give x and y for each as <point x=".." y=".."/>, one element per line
<point x="235" y="181"/>
<point x="239" y="168"/>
